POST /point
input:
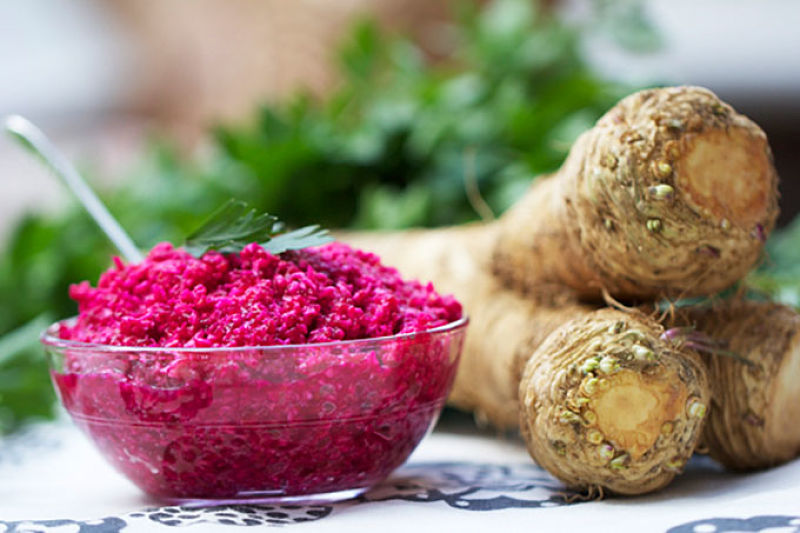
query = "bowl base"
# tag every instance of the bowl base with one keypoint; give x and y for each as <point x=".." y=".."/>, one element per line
<point x="267" y="497"/>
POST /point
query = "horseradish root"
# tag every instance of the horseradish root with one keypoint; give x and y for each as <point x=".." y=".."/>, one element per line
<point x="607" y="404"/>
<point x="754" y="421"/>
<point x="671" y="193"/>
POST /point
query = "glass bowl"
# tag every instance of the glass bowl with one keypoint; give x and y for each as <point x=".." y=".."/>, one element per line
<point x="312" y="422"/>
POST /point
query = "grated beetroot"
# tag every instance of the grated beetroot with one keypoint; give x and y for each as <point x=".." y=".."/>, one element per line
<point x="255" y="423"/>
<point x="254" y="298"/>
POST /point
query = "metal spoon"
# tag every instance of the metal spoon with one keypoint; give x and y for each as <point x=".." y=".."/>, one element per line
<point x="35" y="141"/>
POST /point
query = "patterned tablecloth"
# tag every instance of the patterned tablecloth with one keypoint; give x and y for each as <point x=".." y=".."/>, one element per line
<point x="52" y="480"/>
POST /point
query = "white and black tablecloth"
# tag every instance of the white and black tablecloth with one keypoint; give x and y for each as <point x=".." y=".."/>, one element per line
<point x="51" y="479"/>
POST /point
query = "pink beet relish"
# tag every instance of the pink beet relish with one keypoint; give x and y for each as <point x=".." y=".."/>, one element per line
<point x="253" y="298"/>
<point x="255" y="376"/>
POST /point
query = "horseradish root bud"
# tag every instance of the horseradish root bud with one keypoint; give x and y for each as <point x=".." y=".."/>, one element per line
<point x="662" y="192"/>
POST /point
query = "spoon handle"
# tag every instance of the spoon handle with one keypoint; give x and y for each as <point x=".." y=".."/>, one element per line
<point x="37" y="142"/>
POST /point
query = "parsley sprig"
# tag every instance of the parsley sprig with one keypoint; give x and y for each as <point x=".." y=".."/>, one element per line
<point x="235" y="225"/>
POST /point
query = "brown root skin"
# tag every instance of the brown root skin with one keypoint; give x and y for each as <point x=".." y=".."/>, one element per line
<point x="507" y="330"/>
<point x="756" y="408"/>
<point x="606" y="403"/>
<point x="671" y="193"/>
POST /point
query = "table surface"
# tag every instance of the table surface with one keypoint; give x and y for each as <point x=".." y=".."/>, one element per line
<point x="51" y="479"/>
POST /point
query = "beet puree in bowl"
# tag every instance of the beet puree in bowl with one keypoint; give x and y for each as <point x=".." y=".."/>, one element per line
<point x="307" y="376"/>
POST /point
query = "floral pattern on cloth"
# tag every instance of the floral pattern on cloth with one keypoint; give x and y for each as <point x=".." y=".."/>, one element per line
<point x="764" y="523"/>
<point x="174" y="516"/>
<point x="474" y="486"/>
<point x="253" y="515"/>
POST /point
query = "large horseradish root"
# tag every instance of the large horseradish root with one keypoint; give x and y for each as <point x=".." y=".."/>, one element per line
<point x="755" y="379"/>
<point x="671" y="193"/>
<point x="606" y="403"/>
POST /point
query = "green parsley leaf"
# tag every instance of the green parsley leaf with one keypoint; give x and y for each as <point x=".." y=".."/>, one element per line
<point x="228" y="227"/>
<point x="298" y="239"/>
<point x="235" y="225"/>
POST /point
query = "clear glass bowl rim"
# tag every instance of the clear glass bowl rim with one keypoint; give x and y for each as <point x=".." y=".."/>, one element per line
<point x="50" y="338"/>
